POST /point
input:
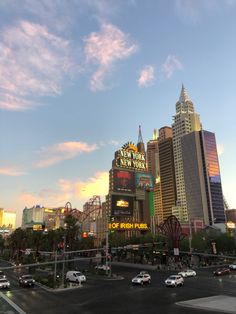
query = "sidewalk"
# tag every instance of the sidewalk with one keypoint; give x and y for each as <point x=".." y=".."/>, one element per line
<point x="218" y="303"/>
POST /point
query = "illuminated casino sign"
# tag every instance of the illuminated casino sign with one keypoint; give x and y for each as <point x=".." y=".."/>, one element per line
<point x="129" y="157"/>
<point x="127" y="226"/>
<point x="123" y="181"/>
<point x="122" y="205"/>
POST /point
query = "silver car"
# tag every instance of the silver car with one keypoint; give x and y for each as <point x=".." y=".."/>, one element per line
<point x="174" y="281"/>
<point x="4" y="283"/>
<point x="141" y="279"/>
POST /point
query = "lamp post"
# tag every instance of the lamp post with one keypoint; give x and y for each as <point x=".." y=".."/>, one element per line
<point x="190" y="235"/>
<point x="63" y="264"/>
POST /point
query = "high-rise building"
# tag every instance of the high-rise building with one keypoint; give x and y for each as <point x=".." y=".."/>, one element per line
<point x="167" y="171"/>
<point x="216" y="199"/>
<point x="185" y="121"/>
<point x="153" y="156"/>
<point x="153" y="168"/>
<point x="202" y="177"/>
<point x="195" y="179"/>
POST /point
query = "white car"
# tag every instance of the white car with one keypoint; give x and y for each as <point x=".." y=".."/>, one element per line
<point x="4" y="283"/>
<point x="174" y="281"/>
<point x="232" y="266"/>
<point x="75" y="276"/>
<point x="102" y="267"/>
<point x="187" y="273"/>
<point x="141" y="279"/>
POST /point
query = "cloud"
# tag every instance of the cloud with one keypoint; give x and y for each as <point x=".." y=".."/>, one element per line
<point x="146" y="76"/>
<point x="103" y="49"/>
<point x="220" y="149"/>
<point x="114" y="142"/>
<point x="170" y="66"/>
<point x="11" y="171"/>
<point x="28" y="199"/>
<point x="78" y="192"/>
<point x="63" y="151"/>
<point x="97" y="185"/>
<point x="33" y="63"/>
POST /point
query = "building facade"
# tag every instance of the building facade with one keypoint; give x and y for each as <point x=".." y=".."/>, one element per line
<point x="167" y="171"/>
<point x="39" y="218"/>
<point x="185" y="121"/>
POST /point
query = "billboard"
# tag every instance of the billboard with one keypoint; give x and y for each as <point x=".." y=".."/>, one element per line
<point x="144" y="181"/>
<point x="123" y="181"/>
<point x="122" y="205"/>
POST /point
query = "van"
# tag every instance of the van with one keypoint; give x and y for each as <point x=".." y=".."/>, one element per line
<point x="75" y="276"/>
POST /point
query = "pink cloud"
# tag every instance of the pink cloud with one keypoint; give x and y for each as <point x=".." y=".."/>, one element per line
<point x="146" y="76"/>
<point x="170" y="66"/>
<point x="33" y="63"/>
<point x="77" y="191"/>
<point x="63" y="151"/>
<point x="11" y="171"/>
<point x="104" y="49"/>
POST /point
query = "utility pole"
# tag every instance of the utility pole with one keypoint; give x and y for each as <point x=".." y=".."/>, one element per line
<point x="106" y="251"/>
<point x="190" y="235"/>
<point x="55" y="269"/>
<point x="63" y="264"/>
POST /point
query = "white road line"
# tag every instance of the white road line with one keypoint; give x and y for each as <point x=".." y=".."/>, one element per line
<point x="16" y="307"/>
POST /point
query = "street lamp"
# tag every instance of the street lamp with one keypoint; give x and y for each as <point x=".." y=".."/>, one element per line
<point x="63" y="264"/>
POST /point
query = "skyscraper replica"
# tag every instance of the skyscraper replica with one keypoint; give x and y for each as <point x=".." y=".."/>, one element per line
<point x="197" y="172"/>
<point x="167" y="171"/>
<point x="185" y="122"/>
<point x="202" y="177"/>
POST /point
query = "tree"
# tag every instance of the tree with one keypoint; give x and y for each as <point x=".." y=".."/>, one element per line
<point x="17" y="241"/>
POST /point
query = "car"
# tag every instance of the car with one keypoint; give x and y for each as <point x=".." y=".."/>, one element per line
<point x="141" y="279"/>
<point x="4" y="283"/>
<point x="26" y="281"/>
<point x="102" y="267"/>
<point x="144" y="272"/>
<point x="2" y="275"/>
<point x="232" y="266"/>
<point x="174" y="281"/>
<point x="187" y="273"/>
<point x="75" y="276"/>
<point x="221" y="271"/>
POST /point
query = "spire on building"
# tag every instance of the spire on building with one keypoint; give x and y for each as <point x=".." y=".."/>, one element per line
<point x="184" y="95"/>
<point x="140" y="138"/>
<point x="140" y="144"/>
<point x="154" y="135"/>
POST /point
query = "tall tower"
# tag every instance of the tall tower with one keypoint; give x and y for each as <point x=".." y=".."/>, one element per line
<point x="185" y="122"/>
<point x="167" y="171"/>
<point x="152" y="155"/>
<point x="154" y="169"/>
<point x="202" y="177"/>
<point x="140" y="144"/>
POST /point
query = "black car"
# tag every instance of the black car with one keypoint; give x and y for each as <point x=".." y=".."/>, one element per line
<point x="26" y="281"/>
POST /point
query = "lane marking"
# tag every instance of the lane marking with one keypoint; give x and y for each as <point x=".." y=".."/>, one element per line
<point x="15" y="306"/>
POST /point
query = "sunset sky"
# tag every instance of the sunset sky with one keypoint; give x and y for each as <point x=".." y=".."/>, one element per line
<point x="77" y="78"/>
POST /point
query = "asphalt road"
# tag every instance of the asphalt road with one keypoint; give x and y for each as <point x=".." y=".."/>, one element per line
<point x="99" y="296"/>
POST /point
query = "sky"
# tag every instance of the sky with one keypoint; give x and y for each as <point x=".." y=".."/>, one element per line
<point x="78" y="77"/>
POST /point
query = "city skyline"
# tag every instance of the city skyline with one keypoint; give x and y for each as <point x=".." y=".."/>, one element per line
<point x="79" y="77"/>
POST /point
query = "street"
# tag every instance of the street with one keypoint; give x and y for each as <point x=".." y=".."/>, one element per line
<point x="101" y="296"/>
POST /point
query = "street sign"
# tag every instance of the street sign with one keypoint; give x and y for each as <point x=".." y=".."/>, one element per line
<point x="176" y="251"/>
<point x="27" y="251"/>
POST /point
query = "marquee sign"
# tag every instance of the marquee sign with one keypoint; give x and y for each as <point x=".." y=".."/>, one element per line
<point x="129" y="157"/>
<point x="127" y="226"/>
